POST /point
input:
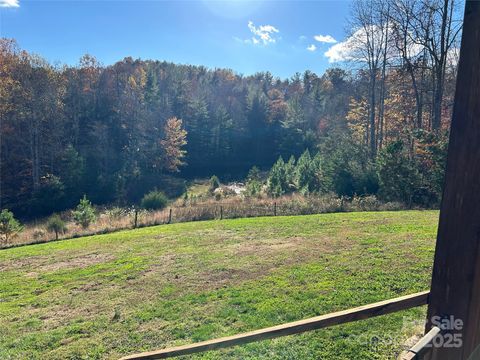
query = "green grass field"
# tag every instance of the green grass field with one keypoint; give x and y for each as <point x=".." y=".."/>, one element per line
<point x="110" y="295"/>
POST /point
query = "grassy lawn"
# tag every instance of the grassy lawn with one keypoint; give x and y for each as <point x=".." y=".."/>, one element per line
<point x="110" y="295"/>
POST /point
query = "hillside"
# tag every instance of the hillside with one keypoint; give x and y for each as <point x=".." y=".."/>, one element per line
<point x="110" y="295"/>
<point x="116" y="132"/>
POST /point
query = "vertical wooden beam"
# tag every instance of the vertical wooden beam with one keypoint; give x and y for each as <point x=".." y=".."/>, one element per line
<point x="455" y="287"/>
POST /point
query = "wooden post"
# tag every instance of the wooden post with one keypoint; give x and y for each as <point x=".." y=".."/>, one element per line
<point x="221" y="212"/>
<point x="135" y="221"/>
<point x="455" y="291"/>
<point x="170" y="216"/>
<point x="275" y="208"/>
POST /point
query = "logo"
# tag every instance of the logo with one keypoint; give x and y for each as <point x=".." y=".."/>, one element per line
<point x="449" y="337"/>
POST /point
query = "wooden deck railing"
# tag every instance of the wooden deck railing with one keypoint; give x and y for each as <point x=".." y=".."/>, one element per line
<point x="296" y="327"/>
<point x="422" y="346"/>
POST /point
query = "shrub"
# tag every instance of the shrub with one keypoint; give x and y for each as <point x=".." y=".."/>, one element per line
<point x="364" y="203"/>
<point x="154" y="200"/>
<point x="116" y="213"/>
<point x="213" y="184"/>
<point x="253" y="186"/>
<point x="9" y="226"/>
<point x="38" y="233"/>
<point x="84" y="214"/>
<point x="56" y="224"/>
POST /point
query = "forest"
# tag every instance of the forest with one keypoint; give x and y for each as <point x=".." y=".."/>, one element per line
<point x="377" y="125"/>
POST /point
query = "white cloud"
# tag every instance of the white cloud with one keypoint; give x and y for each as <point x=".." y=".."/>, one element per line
<point x="264" y="34"/>
<point x="340" y="52"/>
<point x="9" y="3"/>
<point x="325" y="39"/>
<point x="312" y="48"/>
<point x="353" y="48"/>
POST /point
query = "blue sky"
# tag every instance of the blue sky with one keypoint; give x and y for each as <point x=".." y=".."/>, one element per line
<point x="246" y="36"/>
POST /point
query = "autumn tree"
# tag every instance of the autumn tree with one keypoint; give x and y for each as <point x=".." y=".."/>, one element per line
<point x="173" y="143"/>
<point x="369" y="43"/>
<point x="113" y="132"/>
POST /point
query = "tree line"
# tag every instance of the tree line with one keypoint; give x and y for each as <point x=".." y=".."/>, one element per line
<point x="116" y="132"/>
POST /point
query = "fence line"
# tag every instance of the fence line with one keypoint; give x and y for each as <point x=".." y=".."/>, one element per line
<point x="220" y="211"/>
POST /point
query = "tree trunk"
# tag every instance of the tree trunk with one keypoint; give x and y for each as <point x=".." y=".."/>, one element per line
<point x="381" y="114"/>
<point x="440" y="68"/>
<point x="34" y="140"/>
<point x="437" y="101"/>
<point x="373" y="143"/>
<point x="418" y="100"/>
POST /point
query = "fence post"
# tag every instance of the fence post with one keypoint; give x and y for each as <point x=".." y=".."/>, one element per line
<point x="170" y="216"/>
<point x="136" y="219"/>
<point x="221" y="212"/>
<point x="275" y="208"/>
<point x="455" y="289"/>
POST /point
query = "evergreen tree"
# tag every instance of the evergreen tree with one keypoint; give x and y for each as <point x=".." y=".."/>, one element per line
<point x="254" y="183"/>
<point x="213" y="184"/>
<point x="152" y="90"/>
<point x="84" y="214"/>
<point x="277" y="180"/>
<point x="397" y="173"/>
<point x="290" y="174"/>
<point x="305" y="174"/>
<point x="9" y="226"/>
<point x="73" y="171"/>
<point x="56" y="224"/>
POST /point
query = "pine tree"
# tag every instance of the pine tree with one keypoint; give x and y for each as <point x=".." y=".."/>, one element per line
<point x="277" y="181"/>
<point x="397" y="173"/>
<point x="9" y="226"/>
<point x="84" y="214"/>
<point x="254" y="183"/>
<point x="151" y="88"/>
<point x="56" y="224"/>
<point x="305" y="174"/>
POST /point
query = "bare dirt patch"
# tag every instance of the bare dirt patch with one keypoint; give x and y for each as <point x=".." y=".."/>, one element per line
<point x="250" y="248"/>
<point x="77" y="262"/>
<point x="45" y="263"/>
<point x="162" y="265"/>
<point x="21" y="263"/>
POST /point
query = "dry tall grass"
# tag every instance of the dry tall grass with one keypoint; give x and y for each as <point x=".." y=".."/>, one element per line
<point x="115" y="219"/>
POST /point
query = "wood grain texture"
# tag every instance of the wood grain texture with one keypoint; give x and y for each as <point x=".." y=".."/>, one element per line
<point x="455" y="287"/>
<point x="421" y="347"/>
<point x="318" y="322"/>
